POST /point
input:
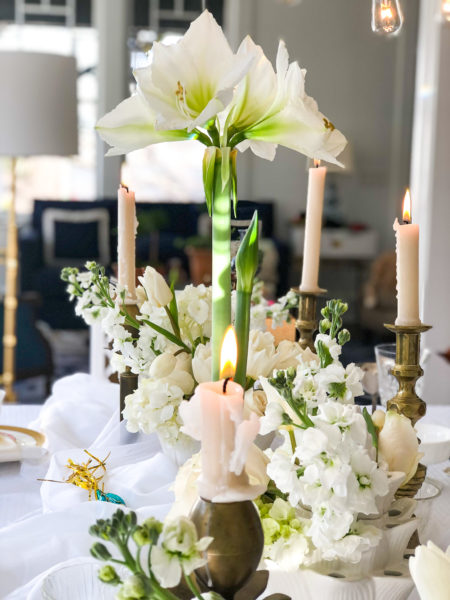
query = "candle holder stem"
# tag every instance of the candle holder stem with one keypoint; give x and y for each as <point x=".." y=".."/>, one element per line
<point x="128" y="381"/>
<point x="307" y="322"/>
<point x="407" y="371"/>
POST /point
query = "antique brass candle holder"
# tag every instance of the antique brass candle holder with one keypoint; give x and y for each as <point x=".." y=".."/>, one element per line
<point x="128" y="381"/>
<point x="407" y="371"/>
<point x="234" y="555"/>
<point x="307" y="322"/>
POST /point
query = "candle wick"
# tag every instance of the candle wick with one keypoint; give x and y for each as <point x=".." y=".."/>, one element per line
<point x="125" y="187"/>
<point x="225" y="383"/>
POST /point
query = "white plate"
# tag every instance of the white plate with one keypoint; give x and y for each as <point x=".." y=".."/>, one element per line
<point x="435" y="443"/>
<point x="13" y="440"/>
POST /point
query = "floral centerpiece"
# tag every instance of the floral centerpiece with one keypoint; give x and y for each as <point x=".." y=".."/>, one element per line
<point x="330" y="467"/>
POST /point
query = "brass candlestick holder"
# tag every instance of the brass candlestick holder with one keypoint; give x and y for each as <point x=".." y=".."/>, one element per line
<point x="234" y="555"/>
<point x="407" y="371"/>
<point x="128" y="381"/>
<point x="307" y="322"/>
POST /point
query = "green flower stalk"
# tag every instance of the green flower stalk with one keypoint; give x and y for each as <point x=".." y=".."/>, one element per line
<point x="246" y="267"/>
<point x="221" y="243"/>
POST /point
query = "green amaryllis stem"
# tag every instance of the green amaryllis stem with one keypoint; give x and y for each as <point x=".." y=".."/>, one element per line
<point x="242" y="326"/>
<point x="221" y="264"/>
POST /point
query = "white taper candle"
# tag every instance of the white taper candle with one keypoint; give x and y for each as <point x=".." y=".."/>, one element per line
<point x="313" y="228"/>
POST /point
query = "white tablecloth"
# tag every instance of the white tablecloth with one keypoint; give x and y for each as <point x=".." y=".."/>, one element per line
<point x="44" y="524"/>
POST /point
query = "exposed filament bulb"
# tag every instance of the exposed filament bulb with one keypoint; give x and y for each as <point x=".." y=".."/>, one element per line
<point x="387" y="17"/>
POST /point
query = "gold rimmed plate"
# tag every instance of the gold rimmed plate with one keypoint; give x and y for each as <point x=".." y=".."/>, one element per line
<point x="13" y="439"/>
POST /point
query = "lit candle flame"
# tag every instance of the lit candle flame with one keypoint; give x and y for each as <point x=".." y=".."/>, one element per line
<point x="316" y="163"/>
<point x="407" y="207"/>
<point x="228" y="354"/>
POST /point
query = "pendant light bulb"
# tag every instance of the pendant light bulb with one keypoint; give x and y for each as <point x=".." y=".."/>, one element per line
<point x="387" y="17"/>
<point x="445" y="8"/>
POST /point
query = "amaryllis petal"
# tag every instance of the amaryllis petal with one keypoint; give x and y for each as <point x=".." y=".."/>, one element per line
<point x="190" y="82"/>
<point x="131" y="126"/>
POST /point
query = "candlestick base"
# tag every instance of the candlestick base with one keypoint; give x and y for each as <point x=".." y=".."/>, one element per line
<point x="307" y="323"/>
<point x="128" y="381"/>
<point x="407" y="371"/>
<point x="234" y="555"/>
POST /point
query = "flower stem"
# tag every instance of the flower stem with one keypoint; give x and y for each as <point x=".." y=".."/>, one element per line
<point x="242" y="326"/>
<point x="192" y="586"/>
<point x="221" y="267"/>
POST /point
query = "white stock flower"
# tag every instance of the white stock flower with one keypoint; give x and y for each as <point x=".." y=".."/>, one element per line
<point x="430" y="570"/>
<point x="333" y="347"/>
<point x="261" y="354"/>
<point x="398" y="444"/>
<point x="273" y="109"/>
<point x="202" y="363"/>
<point x="368" y="483"/>
<point x="343" y="384"/>
<point x="272" y="418"/>
<point x="179" y="551"/>
<point x="155" y="286"/>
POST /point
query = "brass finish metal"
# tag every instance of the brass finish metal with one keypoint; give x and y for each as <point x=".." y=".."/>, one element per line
<point x="407" y="371"/>
<point x="128" y="381"/>
<point x="10" y="300"/>
<point x="234" y="555"/>
<point x="36" y="435"/>
<point x="307" y="322"/>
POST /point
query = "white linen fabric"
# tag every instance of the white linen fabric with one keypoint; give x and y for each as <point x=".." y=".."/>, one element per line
<point x="47" y="523"/>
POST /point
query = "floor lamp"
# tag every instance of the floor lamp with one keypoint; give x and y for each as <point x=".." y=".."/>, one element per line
<point x="38" y="116"/>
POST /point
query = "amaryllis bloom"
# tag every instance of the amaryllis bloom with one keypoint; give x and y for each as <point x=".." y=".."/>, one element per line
<point x="190" y="82"/>
<point x="430" y="569"/>
<point x="273" y="108"/>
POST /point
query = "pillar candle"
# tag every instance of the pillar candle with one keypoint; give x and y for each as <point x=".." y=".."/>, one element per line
<point x="313" y="228"/>
<point x="407" y="247"/>
<point x="126" y="250"/>
<point x="221" y="413"/>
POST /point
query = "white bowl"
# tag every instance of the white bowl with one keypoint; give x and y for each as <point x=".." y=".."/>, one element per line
<point x="76" y="580"/>
<point x="435" y="443"/>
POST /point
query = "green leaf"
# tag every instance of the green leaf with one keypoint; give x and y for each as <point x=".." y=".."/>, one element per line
<point x="370" y="427"/>
<point x="209" y="162"/>
<point x="324" y="354"/>
<point x="167" y="334"/>
<point x="173" y="306"/>
<point x="247" y="257"/>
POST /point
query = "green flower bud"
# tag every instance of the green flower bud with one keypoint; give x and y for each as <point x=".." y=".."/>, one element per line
<point x="154" y="529"/>
<point x="271" y="530"/>
<point x="324" y="325"/>
<point x="108" y="574"/>
<point x="325" y="312"/>
<point x="141" y="536"/>
<point x="291" y="372"/>
<point x="343" y="337"/>
<point x="100" y="552"/>
<point x="134" y="588"/>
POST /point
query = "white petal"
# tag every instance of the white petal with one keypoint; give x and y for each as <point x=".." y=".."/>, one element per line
<point x="131" y="125"/>
<point x="165" y="567"/>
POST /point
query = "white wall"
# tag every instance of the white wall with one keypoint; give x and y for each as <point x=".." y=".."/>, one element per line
<point x="431" y="192"/>
<point x="362" y="82"/>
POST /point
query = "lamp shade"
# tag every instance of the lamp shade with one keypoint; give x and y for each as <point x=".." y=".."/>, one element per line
<point x="38" y="104"/>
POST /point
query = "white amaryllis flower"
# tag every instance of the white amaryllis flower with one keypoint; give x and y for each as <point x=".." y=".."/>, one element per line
<point x="131" y="126"/>
<point x="430" y="569"/>
<point x="180" y="551"/>
<point x="190" y="82"/>
<point x="155" y="286"/>
<point x="398" y="444"/>
<point x="271" y="109"/>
